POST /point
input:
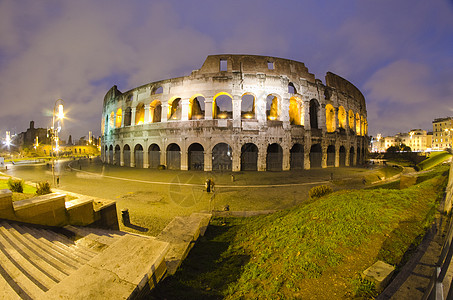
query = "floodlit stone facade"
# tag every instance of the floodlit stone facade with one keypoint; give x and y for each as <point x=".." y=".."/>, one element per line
<point x="237" y="112"/>
<point x="442" y="133"/>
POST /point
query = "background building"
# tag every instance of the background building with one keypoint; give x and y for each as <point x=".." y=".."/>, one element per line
<point x="442" y="133"/>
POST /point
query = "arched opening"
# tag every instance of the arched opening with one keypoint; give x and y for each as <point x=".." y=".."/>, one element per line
<point x="196" y="108"/>
<point x="351" y="119"/>
<point x="291" y="88"/>
<point x="331" y="156"/>
<point x="138" y="155"/>
<point x="112" y="120"/>
<point x="140" y="114"/>
<point x="351" y="157"/>
<point x="127" y="155"/>
<point x="316" y="156"/>
<point x="119" y="117"/>
<point x="272" y="108"/>
<point x="117" y="159"/>
<point x="295" y="116"/>
<point x="173" y="157"/>
<point x="357" y="124"/>
<point x="222" y="159"/>
<point x="153" y="156"/>
<point x="342" y="156"/>
<point x="127" y="116"/>
<point x="157" y="90"/>
<point x="174" y="109"/>
<point x="341" y="117"/>
<point x="222" y="106"/>
<point x="111" y="154"/>
<point x="274" y="157"/>
<point x="296" y="159"/>
<point x="359" y="156"/>
<point x="330" y="118"/>
<point x="249" y="157"/>
<point x="314" y="108"/>
<point x="196" y="157"/>
<point x="248" y="106"/>
<point x="155" y="111"/>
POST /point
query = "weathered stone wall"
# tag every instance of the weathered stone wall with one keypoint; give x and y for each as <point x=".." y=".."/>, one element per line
<point x="276" y="127"/>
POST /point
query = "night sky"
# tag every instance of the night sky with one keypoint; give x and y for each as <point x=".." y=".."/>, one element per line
<point x="398" y="53"/>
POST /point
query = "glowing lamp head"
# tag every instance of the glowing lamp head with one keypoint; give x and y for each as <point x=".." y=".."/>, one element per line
<point x="60" y="111"/>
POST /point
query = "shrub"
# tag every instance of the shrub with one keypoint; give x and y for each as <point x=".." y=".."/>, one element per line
<point x="319" y="191"/>
<point x="161" y="167"/>
<point x="16" y="185"/>
<point x="43" y="188"/>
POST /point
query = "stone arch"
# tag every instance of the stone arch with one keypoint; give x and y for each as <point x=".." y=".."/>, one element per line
<point x="342" y="156"/>
<point x="196" y="157"/>
<point x="222" y="106"/>
<point x="316" y="156"/>
<point x="157" y="90"/>
<point x="138" y="156"/>
<point x="117" y="159"/>
<point x="196" y="107"/>
<point x="357" y="124"/>
<point x="351" y="156"/>
<point x="127" y="155"/>
<point x="330" y="118"/>
<point x="222" y="159"/>
<point x="140" y="114"/>
<point x="111" y="154"/>
<point x="296" y="159"/>
<point x="119" y="116"/>
<point x="127" y="116"/>
<point x="173" y="157"/>
<point x="351" y="119"/>
<point x="248" y="106"/>
<point x="341" y="117"/>
<point x="292" y="88"/>
<point x="273" y="107"/>
<point x="314" y="109"/>
<point x="295" y="111"/>
<point x="154" y="156"/>
<point x="174" y="108"/>
<point x="155" y="111"/>
<point x="274" y="157"/>
<point x="249" y="157"/>
<point x="331" y="156"/>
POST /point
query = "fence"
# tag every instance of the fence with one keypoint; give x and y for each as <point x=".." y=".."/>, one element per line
<point x="435" y="287"/>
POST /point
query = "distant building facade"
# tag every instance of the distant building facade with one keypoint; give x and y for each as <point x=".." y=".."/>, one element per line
<point x="442" y="133"/>
<point x="28" y="138"/>
<point x="417" y="139"/>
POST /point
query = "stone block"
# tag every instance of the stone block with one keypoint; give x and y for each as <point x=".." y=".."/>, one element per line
<point x="380" y="273"/>
<point x="80" y="211"/>
<point x="47" y="210"/>
<point x="6" y="204"/>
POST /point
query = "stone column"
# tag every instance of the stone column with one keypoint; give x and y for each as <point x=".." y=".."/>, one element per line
<point x="236" y="110"/>
<point x="164" y="113"/>
<point x="324" y="155"/>
<point x="337" y="120"/>
<point x="145" y="155"/>
<point x="208" y="108"/>
<point x="207" y="160"/>
<point x="132" y="158"/>
<point x="122" y="156"/>
<point x="306" y="113"/>
<point x="284" y="112"/>
<point x="147" y="119"/>
<point x="286" y="159"/>
<point x="348" y="156"/>
<point x="185" y="109"/>
<point x="307" y="147"/>
<point x="260" y="110"/>
<point x="122" y="117"/>
<point x="337" y="154"/>
<point x="322" y="117"/>
<point x="133" y="110"/>
<point x="236" y="159"/>
<point x="261" y="163"/>
<point x="184" y="160"/>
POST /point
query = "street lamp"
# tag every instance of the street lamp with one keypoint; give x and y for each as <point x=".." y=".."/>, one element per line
<point x="57" y="116"/>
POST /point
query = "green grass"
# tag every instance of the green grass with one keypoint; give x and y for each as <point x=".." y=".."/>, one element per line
<point x="312" y="251"/>
<point x="28" y="189"/>
<point x="433" y="160"/>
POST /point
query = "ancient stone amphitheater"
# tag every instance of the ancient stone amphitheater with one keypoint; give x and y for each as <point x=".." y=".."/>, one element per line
<point x="238" y="112"/>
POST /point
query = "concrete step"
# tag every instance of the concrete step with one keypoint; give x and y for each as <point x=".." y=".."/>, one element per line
<point x="51" y="270"/>
<point x="7" y="291"/>
<point x="96" y="235"/>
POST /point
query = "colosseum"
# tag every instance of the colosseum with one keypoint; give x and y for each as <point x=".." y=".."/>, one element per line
<point x="237" y="113"/>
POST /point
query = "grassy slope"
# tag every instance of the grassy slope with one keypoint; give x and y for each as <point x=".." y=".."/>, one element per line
<point x="433" y="160"/>
<point x="316" y="250"/>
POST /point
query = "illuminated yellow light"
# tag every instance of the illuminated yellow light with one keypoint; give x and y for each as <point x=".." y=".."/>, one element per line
<point x="60" y="111"/>
<point x="248" y="116"/>
<point x="222" y="116"/>
<point x="272" y="118"/>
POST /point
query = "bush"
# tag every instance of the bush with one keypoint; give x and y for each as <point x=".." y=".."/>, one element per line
<point x="43" y="188"/>
<point x="16" y="185"/>
<point x="161" y="167"/>
<point x="319" y="191"/>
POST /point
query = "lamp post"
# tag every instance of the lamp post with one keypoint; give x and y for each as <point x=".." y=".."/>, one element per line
<point x="57" y="115"/>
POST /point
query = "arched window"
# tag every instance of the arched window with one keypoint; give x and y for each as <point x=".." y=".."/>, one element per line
<point x="351" y="119"/>
<point x="295" y="116"/>
<point x="155" y="111"/>
<point x="272" y="108"/>
<point x="138" y="156"/>
<point x="195" y="155"/>
<point x="174" y="109"/>
<point x="222" y="106"/>
<point x="119" y="116"/>
<point x="222" y="157"/>
<point x="127" y="117"/>
<point x="196" y="108"/>
<point x="291" y="88"/>
<point x="314" y="108"/>
<point x="330" y="118"/>
<point x="140" y="114"/>
<point x="157" y="90"/>
<point x="341" y="117"/>
<point x="248" y="106"/>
